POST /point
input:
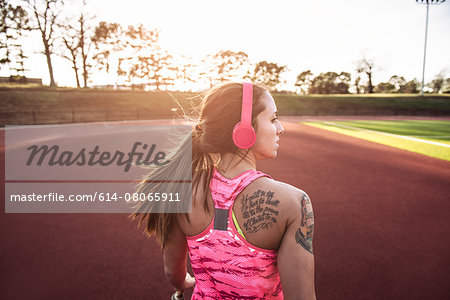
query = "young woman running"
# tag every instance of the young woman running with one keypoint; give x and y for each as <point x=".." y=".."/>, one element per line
<point x="248" y="236"/>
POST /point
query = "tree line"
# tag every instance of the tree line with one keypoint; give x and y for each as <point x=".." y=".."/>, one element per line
<point x="133" y="56"/>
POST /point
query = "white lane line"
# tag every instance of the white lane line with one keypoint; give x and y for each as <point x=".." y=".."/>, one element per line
<point x="389" y="134"/>
<point x="432" y="136"/>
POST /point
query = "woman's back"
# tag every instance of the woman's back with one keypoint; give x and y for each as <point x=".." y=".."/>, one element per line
<point x="225" y="264"/>
<point x="228" y="262"/>
<point x="263" y="234"/>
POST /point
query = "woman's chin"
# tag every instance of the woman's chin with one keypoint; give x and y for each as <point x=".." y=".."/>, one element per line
<point x="267" y="156"/>
<point x="273" y="154"/>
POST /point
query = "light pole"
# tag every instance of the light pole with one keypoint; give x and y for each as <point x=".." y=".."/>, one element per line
<point x="427" y="2"/>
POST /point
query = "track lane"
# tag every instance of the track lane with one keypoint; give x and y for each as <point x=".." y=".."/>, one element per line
<point x="382" y="225"/>
<point x="382" y="214"/>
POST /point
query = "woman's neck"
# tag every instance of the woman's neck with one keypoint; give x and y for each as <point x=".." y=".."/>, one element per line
<point x="232" y="165"/>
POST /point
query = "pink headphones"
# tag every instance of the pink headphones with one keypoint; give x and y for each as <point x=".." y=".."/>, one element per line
<point x="244" y="135"/>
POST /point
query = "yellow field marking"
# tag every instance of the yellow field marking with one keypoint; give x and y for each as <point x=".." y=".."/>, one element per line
<point x="389" y="134"/>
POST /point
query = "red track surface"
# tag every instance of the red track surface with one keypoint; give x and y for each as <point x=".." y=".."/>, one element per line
<point x="382" y="223"/>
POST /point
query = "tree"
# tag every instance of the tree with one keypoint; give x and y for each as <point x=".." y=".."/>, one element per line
<point x="437" y="83"/>
<point x="21" y="22"/>
<point x="186" y="72"/>
<point x="155" y="66"/>
<point x="84" y="44"/>
<point x="385" y="87"/>
<point x="143" y="61"/>
<point x="207" y="71"/>
<point x="304" y="81"/>
<point x="357" y="84"/>
<point x="14" y="22"/>
<point x="397" y="82"/>
<point x="446" y="87"/>
<point x="4" y="31"/>
<point x="366" y="66"/>
<point x="5" y="36"/>
<point x="410" y="87"/>
<point x="108" y="40"/>
<point x="330" y="83"/>
<point x="71" y="43"/>
<point x="225" y="65"/>
<point x="136" y="44"/>
<point x="231" y="64"/>
<point x="45" y="18"/>
<point x="343" y="83"/>
<point x="77" y="42"/>
<point x="268" y="74"/>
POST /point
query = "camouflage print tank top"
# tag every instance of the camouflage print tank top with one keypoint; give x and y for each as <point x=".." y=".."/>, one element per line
<point x="225" y="265"/>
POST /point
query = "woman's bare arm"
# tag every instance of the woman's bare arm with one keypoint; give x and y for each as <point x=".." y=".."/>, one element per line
<point x="174" y="259"/>
<point x="295" y="255"/>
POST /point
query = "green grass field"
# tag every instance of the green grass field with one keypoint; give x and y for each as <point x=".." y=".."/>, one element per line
<point x="430" y="138"/>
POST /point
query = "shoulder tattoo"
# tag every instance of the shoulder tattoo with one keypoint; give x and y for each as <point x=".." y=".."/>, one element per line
<point x="259" y="210"/>
<point x="304" y="235"/>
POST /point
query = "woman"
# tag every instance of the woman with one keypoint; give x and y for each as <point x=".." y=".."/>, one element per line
<point x="248" y="236"/>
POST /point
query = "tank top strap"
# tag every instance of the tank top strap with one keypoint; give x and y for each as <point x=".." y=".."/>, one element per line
<point x="224" y="190"/>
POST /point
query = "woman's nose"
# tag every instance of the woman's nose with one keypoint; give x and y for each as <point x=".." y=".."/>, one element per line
<point x="280" y="128"/>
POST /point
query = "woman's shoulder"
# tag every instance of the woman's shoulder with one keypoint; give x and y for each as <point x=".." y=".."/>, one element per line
<point x="265" y="208"/>
<point x="283" y="189"/>
<point x="292" y="198"/>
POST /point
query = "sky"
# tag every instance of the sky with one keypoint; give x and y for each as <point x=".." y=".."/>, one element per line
<point x="320" y="35"/>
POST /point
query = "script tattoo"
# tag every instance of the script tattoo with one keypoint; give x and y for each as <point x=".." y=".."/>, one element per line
<point x="259" y="210"/>
<point x="304" y="235"/>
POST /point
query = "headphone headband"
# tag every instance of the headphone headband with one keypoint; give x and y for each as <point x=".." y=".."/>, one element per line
<point x="247" y="103"/>
<point x="244" y="135"/>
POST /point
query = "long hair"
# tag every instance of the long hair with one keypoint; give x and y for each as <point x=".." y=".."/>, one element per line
<point x="219" y="112"/>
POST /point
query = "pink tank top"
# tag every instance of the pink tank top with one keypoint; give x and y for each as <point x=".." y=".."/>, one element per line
<point x="225" y="265"/>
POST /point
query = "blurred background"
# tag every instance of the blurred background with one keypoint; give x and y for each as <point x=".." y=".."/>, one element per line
<point x="314" y="47"/>
<point x="365" y="107"/>
<point x="98" y="60"/>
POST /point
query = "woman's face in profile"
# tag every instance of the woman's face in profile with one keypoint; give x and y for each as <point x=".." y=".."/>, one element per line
<point x="268" y="130"/>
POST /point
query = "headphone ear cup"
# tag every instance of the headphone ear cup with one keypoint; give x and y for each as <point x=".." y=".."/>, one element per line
<point x="243" y="136"/>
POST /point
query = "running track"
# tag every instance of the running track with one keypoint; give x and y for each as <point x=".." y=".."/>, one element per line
<point x="382" y="230"/>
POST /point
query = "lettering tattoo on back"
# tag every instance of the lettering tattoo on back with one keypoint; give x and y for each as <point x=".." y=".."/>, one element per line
<point x="260" y="211"/>
<point x="304" y="235"/>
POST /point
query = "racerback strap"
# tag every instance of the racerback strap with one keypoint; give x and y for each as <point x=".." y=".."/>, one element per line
<point x="220" y="219"/>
